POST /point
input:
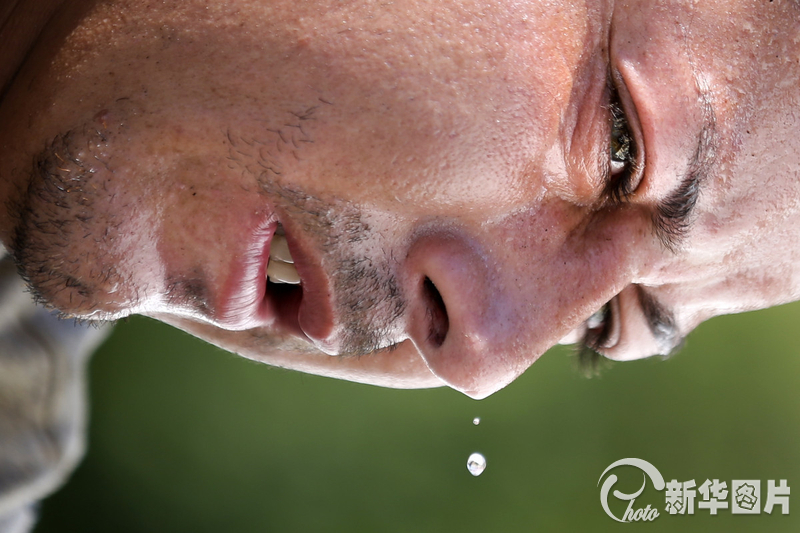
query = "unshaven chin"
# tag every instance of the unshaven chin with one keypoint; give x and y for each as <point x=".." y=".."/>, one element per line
<point x="66" y="230"/>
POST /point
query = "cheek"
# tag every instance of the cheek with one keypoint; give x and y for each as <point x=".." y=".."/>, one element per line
<point x="564" y="263"/>
<point x="422" y="156"/>
<point x="199" y="223"/>
<point x="418" y="176"/>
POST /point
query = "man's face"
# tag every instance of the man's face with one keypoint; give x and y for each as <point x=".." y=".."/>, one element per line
<point x="443" y="174"/>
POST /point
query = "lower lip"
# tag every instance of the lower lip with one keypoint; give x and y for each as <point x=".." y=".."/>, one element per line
<point x="244" y="304"/>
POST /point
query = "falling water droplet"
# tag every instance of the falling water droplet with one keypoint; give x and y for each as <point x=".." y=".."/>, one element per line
<point x="476" y="420"/>
<point x="476" y="464"/>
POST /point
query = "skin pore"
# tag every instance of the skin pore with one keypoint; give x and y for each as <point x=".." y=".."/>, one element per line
<point x="442" y="172"/>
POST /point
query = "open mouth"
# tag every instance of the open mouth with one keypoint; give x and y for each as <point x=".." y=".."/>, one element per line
<point x="264" y="289"/>
<point x="284" y="291"/>
<point x="277" y="286"/>
<point x="280" y="268"/>
<point x="297" y="292"/>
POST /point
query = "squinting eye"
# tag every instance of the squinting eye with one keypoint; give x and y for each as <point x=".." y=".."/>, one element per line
<point x="622" y="152"/>
<point x="603" y="327"/>
<point x="599" y="334"/>
<point x="620" y="140"/>
<point x="598" y="318"/>
<point x="597" y="328"/>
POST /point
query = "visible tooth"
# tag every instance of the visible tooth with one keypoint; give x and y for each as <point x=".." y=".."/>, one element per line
<point x="280" y="272"/>
<point x="278" y="249"/>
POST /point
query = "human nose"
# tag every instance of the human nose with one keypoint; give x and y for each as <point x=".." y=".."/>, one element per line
<point x="455" y="319"/>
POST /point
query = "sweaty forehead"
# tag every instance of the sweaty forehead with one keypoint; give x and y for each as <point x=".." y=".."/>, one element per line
<point x="413" y="48"/>
<point x="408" y="80"/>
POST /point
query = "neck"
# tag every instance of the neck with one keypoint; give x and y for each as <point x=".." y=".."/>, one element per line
<point x="21" y="24"/>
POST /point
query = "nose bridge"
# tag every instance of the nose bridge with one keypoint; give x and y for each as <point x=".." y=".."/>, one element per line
<point x="457" y="318"/>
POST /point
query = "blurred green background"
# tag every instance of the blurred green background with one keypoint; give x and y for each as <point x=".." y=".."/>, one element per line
<point x="187" y="438"/>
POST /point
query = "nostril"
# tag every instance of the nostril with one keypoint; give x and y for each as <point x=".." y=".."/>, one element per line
<point x="438" y="322"/>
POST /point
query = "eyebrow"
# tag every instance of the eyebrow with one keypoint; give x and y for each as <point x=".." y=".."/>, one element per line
<point x="660" y="321"/>
<point x="672" y="217"/>
<point x="671" y="221"/>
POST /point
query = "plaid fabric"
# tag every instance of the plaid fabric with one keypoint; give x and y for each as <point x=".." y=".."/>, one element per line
<point x="42" y="399"/>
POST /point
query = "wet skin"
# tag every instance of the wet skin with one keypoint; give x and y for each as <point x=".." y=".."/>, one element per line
<point x="442" y="172"/>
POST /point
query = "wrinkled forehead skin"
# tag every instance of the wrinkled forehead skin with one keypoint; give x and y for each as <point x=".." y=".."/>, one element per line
<point x="441" y="171"/>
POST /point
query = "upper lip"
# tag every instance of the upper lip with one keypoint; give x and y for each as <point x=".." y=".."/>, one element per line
<point x="311" y="311"/>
